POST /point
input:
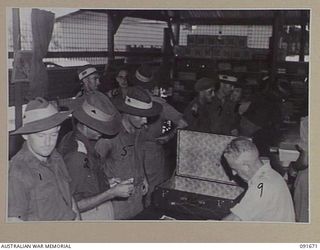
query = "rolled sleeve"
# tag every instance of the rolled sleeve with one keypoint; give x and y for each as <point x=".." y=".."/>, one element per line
<point x="255" y="201"/>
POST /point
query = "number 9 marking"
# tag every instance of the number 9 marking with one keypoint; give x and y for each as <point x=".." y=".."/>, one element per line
<point x="260" y="186"/>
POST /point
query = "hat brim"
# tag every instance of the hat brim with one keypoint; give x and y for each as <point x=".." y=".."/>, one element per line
<point x="75" y="103"/>
<point x="107" y="128"/>
<point x="154" y="111"/>
<point x="229" y="82"/>
<point x="205" y="87"/>
<point x="43" y="124"/>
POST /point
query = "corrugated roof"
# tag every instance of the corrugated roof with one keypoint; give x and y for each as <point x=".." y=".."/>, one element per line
<point x="254" y="16"/>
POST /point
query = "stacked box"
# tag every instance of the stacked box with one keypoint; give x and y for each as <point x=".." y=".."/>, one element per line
<point x="214" y="40"/>
<point x="200" y="52"/>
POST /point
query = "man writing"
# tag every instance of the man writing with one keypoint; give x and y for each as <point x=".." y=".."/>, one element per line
<point x="96" y="116"/>
<point x="38" y="180"/>
<point x="268" y="197"/>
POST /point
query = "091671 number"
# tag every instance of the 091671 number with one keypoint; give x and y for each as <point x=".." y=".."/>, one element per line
<point x="309" y="245"/>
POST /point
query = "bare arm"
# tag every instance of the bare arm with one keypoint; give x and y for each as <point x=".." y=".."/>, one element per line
<point x="123" y="189"/>
<point x="94" y="201"/>
<point x="76" y="209"/>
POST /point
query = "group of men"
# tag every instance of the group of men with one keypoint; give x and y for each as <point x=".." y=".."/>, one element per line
<point x="107" y="167"/>
<point x="212" y="110"/>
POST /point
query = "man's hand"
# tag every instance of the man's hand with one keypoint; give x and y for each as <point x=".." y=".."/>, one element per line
<point x="76" y="209"/>
<point x="124" y="189"/>
<point x="302" y="161"/>
<point x="114" y="181"/>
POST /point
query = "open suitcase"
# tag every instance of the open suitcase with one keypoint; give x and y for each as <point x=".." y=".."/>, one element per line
<point x="200" y="187"/>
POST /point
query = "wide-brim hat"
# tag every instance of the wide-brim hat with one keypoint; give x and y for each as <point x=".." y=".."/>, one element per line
<point x="205" y="83"/>
<point x="144" y="77"/>
<point x="86" y="71"/>
<point x="96" y="111"/>
<point x="138" y="102"/>
<point x="40" y="115"/>
<point x="228" y="78"/>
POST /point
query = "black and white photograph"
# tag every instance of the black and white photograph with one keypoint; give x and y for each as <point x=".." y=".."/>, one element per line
<point x="124" y="114"/>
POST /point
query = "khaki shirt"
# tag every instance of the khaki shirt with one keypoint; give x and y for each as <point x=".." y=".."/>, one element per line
<point x="39" y="191"/>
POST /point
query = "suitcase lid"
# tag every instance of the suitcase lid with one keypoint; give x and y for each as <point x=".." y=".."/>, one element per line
<point x="199" y="156"/>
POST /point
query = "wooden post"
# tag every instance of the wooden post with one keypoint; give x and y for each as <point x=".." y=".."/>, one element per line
<point x="18" y="95"/>
<point x="110" y="37"/>
<point x="303" y="37"/>
<point x="176" y="32"/>
<point x="276" y="28"/>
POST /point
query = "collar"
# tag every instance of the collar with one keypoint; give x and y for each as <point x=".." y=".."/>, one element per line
<point x="89" y="144"/>
<point x="265" y="167"/>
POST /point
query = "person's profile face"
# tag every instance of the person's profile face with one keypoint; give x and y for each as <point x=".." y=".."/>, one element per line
<point x="92" y="134"/>
<point x="122" y="78"/>
<point x="237" y="167"/>
<point x="43" y="143"/>
<point x="137" y="121"/>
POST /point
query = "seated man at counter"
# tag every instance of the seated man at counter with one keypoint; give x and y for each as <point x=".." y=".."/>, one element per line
<point x="96" y="116"/>
<point x="268" y="197"/>
<point x="38" y="179"/>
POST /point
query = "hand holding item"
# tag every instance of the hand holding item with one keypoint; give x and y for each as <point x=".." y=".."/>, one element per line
<point x="145" y="186"/>
<point x="124" y="189"/>
<point x="114" y="181"/>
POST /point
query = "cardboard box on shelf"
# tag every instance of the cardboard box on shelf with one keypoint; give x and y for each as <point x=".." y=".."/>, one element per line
<point x="218" y="40"/>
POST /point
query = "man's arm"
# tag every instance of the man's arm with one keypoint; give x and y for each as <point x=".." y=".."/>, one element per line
<point x="180" y="125"/>
<point x="123" y="189"/>
<point x="18" y="198"/>
<point x="76" y="209"/>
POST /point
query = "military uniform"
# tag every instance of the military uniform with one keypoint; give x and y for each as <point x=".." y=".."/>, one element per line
<point x="39" y="191"/>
